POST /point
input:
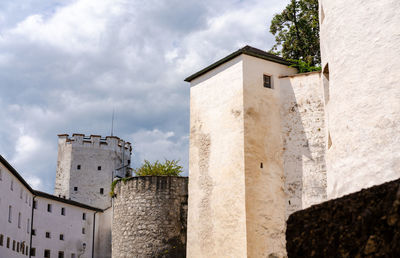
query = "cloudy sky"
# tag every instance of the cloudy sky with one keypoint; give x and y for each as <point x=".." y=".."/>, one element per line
<point x="66" y="64"/>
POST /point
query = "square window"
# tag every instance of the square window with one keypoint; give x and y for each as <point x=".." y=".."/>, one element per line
<point x="75" y="188"/>
<point x="101" y="190"/>
<point x="46" y="253"/>
<point x="47" y="234"/>
<point x="78" y="167"/>
<point x="72" y="255"/>
<point x="267" y="81"/>
<point x="63" y="211"/>
<point x="99" y="168"/>
<point x="33" y="251"/>
<point x="49" y="207"/>
<point x="61" y="237"/>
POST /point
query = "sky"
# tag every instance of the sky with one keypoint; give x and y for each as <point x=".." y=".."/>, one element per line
<point x="65" y="65"/>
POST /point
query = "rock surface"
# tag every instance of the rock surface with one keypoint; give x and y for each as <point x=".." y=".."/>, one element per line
<point x="362" y="224"/>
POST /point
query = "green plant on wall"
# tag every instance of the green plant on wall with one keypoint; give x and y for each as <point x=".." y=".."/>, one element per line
<point x="168" y="168"/>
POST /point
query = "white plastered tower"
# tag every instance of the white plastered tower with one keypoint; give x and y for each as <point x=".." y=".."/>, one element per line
<point x="360" y="48"/>
<point x="86" y="167"/>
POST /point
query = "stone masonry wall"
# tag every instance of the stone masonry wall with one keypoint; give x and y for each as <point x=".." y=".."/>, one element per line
<point x="362" y="224"/>
<point x="150" y="217"/>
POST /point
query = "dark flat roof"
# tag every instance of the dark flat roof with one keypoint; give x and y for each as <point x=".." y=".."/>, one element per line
<point x="248" y="50"/>
<point x="43" y="194"/>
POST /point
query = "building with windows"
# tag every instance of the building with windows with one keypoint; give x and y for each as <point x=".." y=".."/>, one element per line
<point x="76" y="221"/>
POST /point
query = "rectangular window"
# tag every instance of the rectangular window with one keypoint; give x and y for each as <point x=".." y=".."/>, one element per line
<point x="49" y="207"/>
<point x="267" y="81"/>
<point x="17" y="247"/>
<point x="60" y="254"/>
<point x="63" y="211"/>
<point x="8" y="242"/>
<point x="84" y="216"/>
<point x="48" y="235"/>
<point x="34" y="204"/>
<point x="99" y="168"/>
<point x="26" y="251"/>
<point x="19" y="219"/>
<point x="9" y="213"/>
<point x="129" y="161"/>
<point x="61" y="237"/>
<point x="1" y="175"/>
<point x="12" y="185"/>
<point x="78" y="167"/>
<point x="101" y="190"/>
<point x="1" y="239"/>
<point x="28" y="225"/>
<point x="33" y="232"/>
<point x="13" y="247"/>
<point x="33" y="251"/>
<point x="75" y="188"/>
<point x="20" y="193"/>
<point x="46" y="253"/>
<point x="83" y="230"/>
<point x="26" y="197"/>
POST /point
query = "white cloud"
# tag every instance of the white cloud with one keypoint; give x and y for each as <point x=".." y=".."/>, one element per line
<point x="65" y="64"/>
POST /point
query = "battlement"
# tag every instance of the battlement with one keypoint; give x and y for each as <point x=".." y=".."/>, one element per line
<point x="155" y="184"/>
<point x="97" y="141"/>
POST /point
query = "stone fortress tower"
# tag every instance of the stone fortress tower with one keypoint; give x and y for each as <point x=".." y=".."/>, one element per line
<point x="86" y="167"/>
<point x="360" y="52"/>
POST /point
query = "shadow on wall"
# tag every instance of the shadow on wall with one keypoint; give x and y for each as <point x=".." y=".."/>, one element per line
<point x="302" y="112"/>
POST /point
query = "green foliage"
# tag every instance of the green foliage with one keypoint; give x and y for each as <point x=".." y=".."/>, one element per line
<point x="304" y="67"/>
<point x="168" y="168"/>
<point x="296" y="32"/>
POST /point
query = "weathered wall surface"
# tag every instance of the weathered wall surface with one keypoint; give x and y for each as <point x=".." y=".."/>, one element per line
<point x="304" y="136"/>
<point x="360" y="42"/>
<point x="89" y="153"/>
<point x="217" y="219"/>
<point x="149" y="217"/>
<point x="102" y="245"/>
<point x="362" y="224"/>
<point x="264" y="175"/>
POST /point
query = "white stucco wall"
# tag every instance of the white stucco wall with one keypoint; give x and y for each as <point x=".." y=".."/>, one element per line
<point x="102" y="246"/>
<point x="90" y="153"/>
<point x="304" y="136"/>
<point x="265" y="196"/>
<point x="20" y="204"/>
<point x="70" y="225"/>
<point x="216" y="215"/>
<point x="360" y="41"/>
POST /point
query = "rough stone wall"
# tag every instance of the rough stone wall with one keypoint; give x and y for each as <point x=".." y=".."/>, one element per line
<point x="89" y="153"/>
<point x="304" y="135"/>
<point x="362" y="224"/>
<point x="149" y="217"/>
<point x="360" y="49"/>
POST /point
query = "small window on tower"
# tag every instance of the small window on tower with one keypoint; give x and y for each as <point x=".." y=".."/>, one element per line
<point x="63" y="211"/>
<point x="267" y="81"/>
<point x="75" y="188"/>
<point x="78" y="167"/>
<point x="83" y="216"/>
<point x="99" y="168"/>
<point x="129" y="161"/>
<point x="101" y="190"/>
<point x="49" y="207"/>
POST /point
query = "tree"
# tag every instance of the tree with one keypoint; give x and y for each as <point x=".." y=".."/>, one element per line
<point x="168" y="168"/>
<point x="296" y="32"/>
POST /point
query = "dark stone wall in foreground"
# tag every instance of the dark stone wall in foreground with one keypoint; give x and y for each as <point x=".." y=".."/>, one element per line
<point x="362" y="224"/>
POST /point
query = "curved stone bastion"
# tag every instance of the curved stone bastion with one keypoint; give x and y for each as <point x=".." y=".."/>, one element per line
<point x="150" y="217"/>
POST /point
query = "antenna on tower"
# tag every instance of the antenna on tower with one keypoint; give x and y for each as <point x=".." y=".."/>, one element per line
<point x="112" y="123"/>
